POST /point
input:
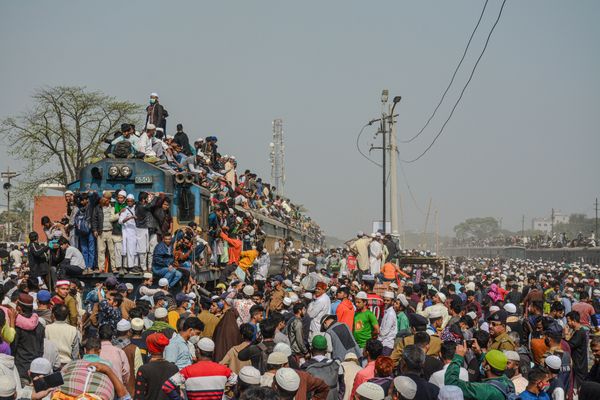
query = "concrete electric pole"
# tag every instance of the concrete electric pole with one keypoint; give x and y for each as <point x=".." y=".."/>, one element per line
<point x="394" y="172"/>
<point x="277" y="157"/>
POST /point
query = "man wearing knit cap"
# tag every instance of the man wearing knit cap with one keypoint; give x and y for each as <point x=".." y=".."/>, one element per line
<point x="286" y="383"/>
<point x="324" y="368"/>
<point x="320" y="307"/>
<point x="370" y="391"/>
<point x="29" y="338"/>
<point x="203" y="380"/>
<point x="405" y="388"/>
<point x="496" y="385"/>
<point x="62" y="291"/>
<point x="248" y="377"/>
<point x="152" y="375"/>
<point x="389" y="324"/>
<point x="514" y="372"/>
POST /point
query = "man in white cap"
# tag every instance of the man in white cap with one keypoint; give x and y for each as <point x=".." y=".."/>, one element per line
<point x="133" y="353"/>
<point x="203" y="380"/>
<point x="248" y="377"/>
<point x="439" y="300"/>
<point x="117" y="234"/>
<point x="287" y="383"/>
<point x="128" y="229"/>
<point x="376" y="254"/>
<point x="370" y="391"/>
<point x="405" y="388"/>
<point x="243" y="305"/>
<point x="389" y="324"/>
<point x="156" y="114"/>
<point x="514" y="372"/>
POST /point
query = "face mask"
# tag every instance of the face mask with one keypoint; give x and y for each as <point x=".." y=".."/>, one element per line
<point x="545" y="387"/>
<point x="481" y="370"/>
<point x="194" y="339"/>
<point x="152" y="101"/>
<point x="73" y="292"/>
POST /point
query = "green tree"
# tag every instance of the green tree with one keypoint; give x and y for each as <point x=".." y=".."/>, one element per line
<point x="62" y="132"/>
<point x="478" y="228"/>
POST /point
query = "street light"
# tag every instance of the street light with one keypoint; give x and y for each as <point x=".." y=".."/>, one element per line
<point x="384" y="95"/>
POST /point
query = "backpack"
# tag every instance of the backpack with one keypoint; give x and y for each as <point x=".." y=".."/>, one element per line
<point x="82" y="224"/>
<point x="262" y="360"/>
<point x="328" y="371"/>
<point x="508" y="391"/>
<point x="122" y="149"/>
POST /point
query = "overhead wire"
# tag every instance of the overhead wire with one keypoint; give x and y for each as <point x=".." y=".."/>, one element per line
<point x="463" y="89"/>
<point x="410" y="192"/>
<point x="358" y="146"/>
<point x="453" y="76"/>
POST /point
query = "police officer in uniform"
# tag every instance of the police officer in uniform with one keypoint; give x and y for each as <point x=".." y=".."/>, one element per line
<point x="498" y="335"/>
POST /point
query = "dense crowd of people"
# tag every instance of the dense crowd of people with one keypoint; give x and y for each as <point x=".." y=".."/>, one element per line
<point x="344" y="323"/>
<point x="539" y="241"/>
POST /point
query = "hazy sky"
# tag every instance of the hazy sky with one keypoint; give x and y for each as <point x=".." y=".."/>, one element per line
<point x="523" y="140"/>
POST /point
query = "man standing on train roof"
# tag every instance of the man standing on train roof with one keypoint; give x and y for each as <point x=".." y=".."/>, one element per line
<point x="127" y="221"/>
<point x="117" y="232"/>
<point x="156" y="113"/>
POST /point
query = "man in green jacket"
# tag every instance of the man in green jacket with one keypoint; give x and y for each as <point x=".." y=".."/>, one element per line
<point x="495" y="386"/>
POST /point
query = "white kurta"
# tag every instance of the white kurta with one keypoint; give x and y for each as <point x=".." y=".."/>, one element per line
<point x="376" y="249"/>
<point x="320" y="307"/>
<point x="129" y="236"/>
<point x="388" y="328"/>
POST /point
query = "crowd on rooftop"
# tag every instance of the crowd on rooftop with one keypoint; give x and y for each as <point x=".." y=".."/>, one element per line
<point x="538" y="241"/>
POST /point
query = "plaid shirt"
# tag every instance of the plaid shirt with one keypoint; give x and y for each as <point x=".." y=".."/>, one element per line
<point x="74" y="376"/>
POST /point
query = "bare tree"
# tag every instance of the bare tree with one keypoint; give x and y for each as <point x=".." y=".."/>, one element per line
<point x="62" y="132"/>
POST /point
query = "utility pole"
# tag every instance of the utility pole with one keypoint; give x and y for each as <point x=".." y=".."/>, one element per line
<point x="596" y="207"/>
<point x="8" y="175"/>
<point x="426" y="223"/>
<point x="382" y="130"/>
<point x="277" y="157"/>
<point x="394" y="172"/>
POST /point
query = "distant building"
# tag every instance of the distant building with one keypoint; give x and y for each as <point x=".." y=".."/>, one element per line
<point x="544" y="224"/>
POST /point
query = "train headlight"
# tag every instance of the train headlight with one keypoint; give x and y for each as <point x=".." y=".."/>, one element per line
<point x="126" y="171"/>
<point x="113" y="171"/>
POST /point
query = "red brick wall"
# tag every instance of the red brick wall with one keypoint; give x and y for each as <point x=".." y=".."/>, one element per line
<point x="52" y="206"/>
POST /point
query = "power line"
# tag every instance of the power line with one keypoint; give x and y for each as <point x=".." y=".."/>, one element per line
<point x="453" y="76"/>
<point x="358" y="146"/>
<point x="410" y="192"/>
<point x="463" y="90"/>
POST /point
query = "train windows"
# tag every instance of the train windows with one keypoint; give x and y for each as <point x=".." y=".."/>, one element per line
<point x="186" y="205"/>
<point x="204" y="212"/>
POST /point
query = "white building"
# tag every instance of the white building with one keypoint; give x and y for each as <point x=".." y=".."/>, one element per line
<point x="545" y="224"/>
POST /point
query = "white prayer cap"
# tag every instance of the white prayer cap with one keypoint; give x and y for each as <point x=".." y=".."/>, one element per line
<point x="402" y="299"/>
<point x="249" y="375"/>
<point x="248" y="290"/>
<point x="130" y="196"/>
<point x="206" y="344"/>
<point x="153" y="94"/>
<point x="450" y="392"/>
<point x="442" y="296"/>
<point x="162" y="282"/>
<point x="129" y="286"/>
<point x="510" y="308"/>
<point x="283" y="348"/>
<point x="393" y="285"/>
<point x="473" y="315"/>
<point x="493" y="309"/>
<point x="150" y="127"/>
<point x="553" y="362"/>
<point x="123" y="325"/>
<point x="371" y="391"/>
<point x="388" y="295"/>
<point x="435" y="313"/>
<point x="288" y="379"/>
<point x="308" y="295"/>
<point x="40" y="366"/>
<point x="287" y="301"/>
<point x="277" y="358"/>
<point x="512" y="355"/>
<point x="122" y="193"/>
<point x="406" y="387"/>
<point x="160" y="312"/>
<point x="362" y="295"/>
<point x="137" y="324"/>
<point x="293" y="297"/>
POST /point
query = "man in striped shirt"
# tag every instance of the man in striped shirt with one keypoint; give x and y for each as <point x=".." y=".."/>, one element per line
<point x="204" y="380"/>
